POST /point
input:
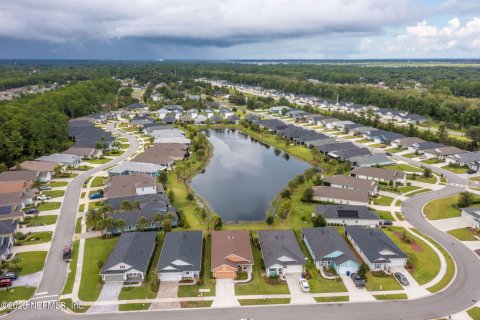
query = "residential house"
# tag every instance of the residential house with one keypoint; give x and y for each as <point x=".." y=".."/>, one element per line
<point x="200" y="119"/>
<point x="344" y="155"/>
<point x="375" y="248"/>
<point x="420" y="147"/>
<point x="8" y="227"/>
<point x="192" y="113"/>
<point x="348" y="215"/>
<point x="379" y="174"/>
<point x="342" y="196"/>
<point x="215" y="119"/>
<point x="465" y="159"/>
<point x="231" y="253"/>
<point x="272" y="125"/>
<point x="233" y="119"/>
<point x="169" y="120"/>
<point x="225" y="113"/>
<point x="414" y="118"/>
<point x="329" y="250"/>
<point x="338" y="146"/>
<point x="404" y="143"/>
<point x="352" y="183"/>
<point x="281" y="253"/>
<point x="181" y="256"/>
<point x="443" y="152"/>
<point x="251" y="118"/>
<point x="62" y="159"/>
<point x="370" y="160"/>
<point x="130" y="168"/>
<point x="19" y="175"/>
<point x="316" y="143"/>
<point x="140" y="121"/>
<point x="472" y="215"/>
<point x="44" y="167"/>
<point x="120" y="186"/>
<point x="130" y="258"/>
<point x="84" y="153"/>
<point x="163" y="154"/>
<point x="279" y="109"/>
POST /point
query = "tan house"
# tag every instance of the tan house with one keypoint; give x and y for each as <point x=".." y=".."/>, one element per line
<point x="342" y="196"/>
<point x="231" y="253"/>
<point x="379" y="174"/>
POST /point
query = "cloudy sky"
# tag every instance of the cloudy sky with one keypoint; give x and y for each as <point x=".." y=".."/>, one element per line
<point x="239" y="29"/>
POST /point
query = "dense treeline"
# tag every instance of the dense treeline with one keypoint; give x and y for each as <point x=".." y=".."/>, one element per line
<point x="37" y="125"/>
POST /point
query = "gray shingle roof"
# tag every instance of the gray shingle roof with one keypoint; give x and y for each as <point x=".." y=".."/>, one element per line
<point x="277" y="244"/>
<point x="134" y="249"/>
<point x="346" y="211"/>
<point x="183" y="246"/>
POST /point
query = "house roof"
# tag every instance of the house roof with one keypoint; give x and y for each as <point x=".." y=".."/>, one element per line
<point x="22" y="175"/>
<point x="427" y="145"/>
<point x="38" y="165"/>
<point x="61" y="158"/>
<point x="271" y="124"/>
<point x="160" y="199"/>
<point x="370" y="159"/>
<point x="466" y="156"/>
<point x="407" y="141"/>
<point x="474" y="212"/>
<point x="231" y="247"/>
<point x="280" y="247"/>
<point x="445" y="151"/>
<point x="379" y="173"/>
<point x="345" y="211"/>
<point x="134" y="249"/>
<point x="346" y="154"/>
<point x="133" y="166"/>
<point x="328" y="245"/>
<point x="148" y="210"/>
<point x="181" y="251"/>
<point x="81" y="152"/>
<point x="337" y="147"/>
<point x="120" y="186"/>
<point x="14" y="186"/>
<point x="137" y="106"/>
<point x="320" y="142"/>
<point x="341" y="194"/>
<point x="11" y="197"/>
<point x="163" y="153"/>
<point x="375" y="244"/>
<point x="8" y="226"/>
<point x="351" y="182"/>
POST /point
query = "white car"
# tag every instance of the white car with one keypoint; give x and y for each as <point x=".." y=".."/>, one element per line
<point x="304" y="285"/>
<point x="43" y="197"/>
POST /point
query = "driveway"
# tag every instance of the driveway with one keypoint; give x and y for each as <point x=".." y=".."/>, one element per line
<point x="413" y="290"/>
<point x="168" y="289"/>
<point x="225" y="294"/>
<point x="110" y="292"/>
<point x="356" y="294"/>
<point x="29" y="280"/>
<point x="450" y="223"/>
<point x="297" y="296"/>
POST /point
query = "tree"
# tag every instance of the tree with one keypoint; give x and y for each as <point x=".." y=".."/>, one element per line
<point x="171" y="196"/>
<point x="427" y="172"/>
<point x="474" y="134"/>
<point x="270" y="220"/>
<point x="442" y="133"/>
<point x="57" y="170"/>
<point x="217" y="222"/>
<point x="466" y="199"/>
<point x="292" y="184"/>
<point x="308" y="195"/>
<point x="142" y="223"/>
<point x="167" y="225"/>
<point x="317" y="180"/>
<point x="283" y="208"/>
<point x="94" y="217"/>
<point x="163" y="178"/>
<point x="126" y="205"/>
<point x="362" y="270"/>
<point x="190" y="197"/>
<point x="136" y="205"/>
<point x="285" y="194"/>
<point x="319" y="221"/>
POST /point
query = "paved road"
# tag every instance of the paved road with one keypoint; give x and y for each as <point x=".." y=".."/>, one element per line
<point x="55" y="273"/>
<point x="460" y="295"/>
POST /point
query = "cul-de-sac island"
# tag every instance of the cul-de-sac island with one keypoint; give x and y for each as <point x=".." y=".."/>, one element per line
<point x="237" y="191"/>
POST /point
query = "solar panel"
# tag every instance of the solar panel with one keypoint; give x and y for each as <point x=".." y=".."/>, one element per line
<point x="6" y="210"/>
<point x="347" y="213"/>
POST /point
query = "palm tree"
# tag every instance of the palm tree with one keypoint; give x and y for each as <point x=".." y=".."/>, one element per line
<point x="120" y="224"/>
<point x="136" y="205"/>
<point x="142" y="223"/>
<point x="93" y="217"/>
<point x="125" y="205"/>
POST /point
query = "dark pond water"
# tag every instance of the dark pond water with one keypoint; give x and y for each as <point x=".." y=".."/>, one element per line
<point x="243" y="176"/>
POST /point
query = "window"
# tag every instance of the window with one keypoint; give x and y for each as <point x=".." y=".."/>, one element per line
<point x="122" y="266"/>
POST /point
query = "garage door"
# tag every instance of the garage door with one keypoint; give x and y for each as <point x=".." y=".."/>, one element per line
<point x="114" y="278"/>
<point x="346" y="270"/>
<point x="224" y="274"/>
<point x="175" y="276"/>
<point x="293" y="269"/>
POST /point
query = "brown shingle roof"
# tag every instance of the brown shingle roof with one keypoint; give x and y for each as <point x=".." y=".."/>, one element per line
<point x="121" y="186"/>
<point x="234" y="244"/>
<point x="38" y="165"/>
<point x="10" y="198"/>
<point x="351" y="182"/>
<point x="162" y="153"/>
<point x="445" y="151"/>
<point x="379" y="173"/>
<point x="14" y="186"/>
<point x="22" y="175"/>
<point x="341" y="194"/>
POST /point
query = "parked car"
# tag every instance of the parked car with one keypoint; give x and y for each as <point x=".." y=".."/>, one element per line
<point x="32" y="211"/>
<point x="96" y="196"/>
<point x="357" y="280"/>
<point x="304" y="285"/>
<point x="5" y="283"/>
<point x="67" y="254"/>
<point x="9" y="275"/>
<point x="386" y="223"/>
<point x="401" y="278"/>
<point x="471" y="171"/>
<point x="43" y="197"/>
<point x="388" y="154"/>
<point x="422" y="157"/>
<point x="43" y="187"/>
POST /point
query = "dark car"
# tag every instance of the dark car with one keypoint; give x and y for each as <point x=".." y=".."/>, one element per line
<point x="471" y="171"/>
<point x="96" y="196"/>
<point x="386" y="223"/>
<point x="32" y="211"/>
<point x="5" y="283"/>
<point x="401" y="278"/>
<point x="388" y="154"/>
<point x="9" y="275"/>
<point x="44" y="188"/>
<point x="357" y="280"/>
<point x="67" y="254"/>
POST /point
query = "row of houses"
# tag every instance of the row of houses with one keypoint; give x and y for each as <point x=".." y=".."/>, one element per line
<point x="231" y="253"/>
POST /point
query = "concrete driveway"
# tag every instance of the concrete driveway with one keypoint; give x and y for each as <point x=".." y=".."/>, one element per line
<point x="297" y="296"/>
<point x="110" y="292"/>
<point x="413" y="290"/>
<point x="225" y="294"/>
<point x="356" y="294"/>
<point x="167" y="289"/>
<point x="450" y="223"/>
<point x="29" y="280"/>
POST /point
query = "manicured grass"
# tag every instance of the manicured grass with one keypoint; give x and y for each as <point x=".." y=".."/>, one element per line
<point x="73" y="268"/>
<point x="56" y="184"/>
<point x="402" y="167"/>
<point x="387" y="283"/>
<point x="74" y="308"/>
<point x="82" y="195"/>
<point x="96" y="205"/>
<point x="455" y="169"/>
<point x="78" y="225"/>
<point x="47" y="206"/>
<point x="433" y="161"/>
<point x="54" y="193"/>
<point x="442" y="208"/>
<point x="98" y="161"/>
<point x="196" y="304"/>
<point x="124" y="145"/>
<point x="428" y="263"/>
<point x="463" y="234"/>
<point x="97" y="182"/>
<point x="379" y="145"/>
<point x="254" y="302"/>
<point x="81" y="207"/>
<point x="406" y="189"/>
<point x="41" y="219"/>
<point x="258" y="285"/>
<point x="31" y="262"/>
<point x="421" y="178"/>
<point x="474" y="313"/>
<point x="385" y="215"/>
<point x="477" y="178"/>
<point x="86" y="181"/>
<point x="350" y="137"/>
<point x="410" y="155"/>
<point x="364" y="141"/>
<point x="332" y="299"/>
<point x="16" y="294"/>
<point x="383" y="201"/>
<point x="397" y="296"/>
<point x="96" y="249"/>
<point x="84" y="168"/>
<point x="393" y="150"/>
<point x="36" y="238"/>
<point x="133" y="306"/>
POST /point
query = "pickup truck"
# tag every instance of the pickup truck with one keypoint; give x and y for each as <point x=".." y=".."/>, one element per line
<point x="357" y="280"/>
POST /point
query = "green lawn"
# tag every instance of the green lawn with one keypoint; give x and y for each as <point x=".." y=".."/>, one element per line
<point x="254" y="302"/>
<point x="428" y="263"/>
<point x="474" y="313"/>
<point x="97" y="182"/>
<point x="54" y="193"/>
<point x="56" y="184"/>
<point x="379" y="145"/>
<point x="47" y="206"/>
<point x="421" y="178"/>
<point x="16" y="294"/>
<point x="385" y="215"/>
<point x="77" y="308"/>
<point x="73" y="268"/>
<point x="383" y="201"/>
<point x="31" y="262"/>
<point x="36" y="238"/>
<point x="332" y="299"/>
<point x="364" y="141"/>
<point x="78" y="225"/>
<point x="455" y="169"/>
<point x="463" y="234"/>
<point x="418" y="191"/>
<point x="41" y="219"/>
<point x="402" y="167"/>
<point x="383" y="283"/>
<point x="475" y="178"/>
<point x="406" y="189"/>
<point x="84" y="168"/>
<point x="397" y="296"/>
<point x="393" y="150"/>
<point x="81" y="207"/>
<point x="442" y="208"/>
<point x="86" y="182"/>
<point x="96" y="204"/>
<point x="133" y="306"/>
<point x="98" y="161"/>
<point x="433" y="161"/>
<point x="196" y="304"/>
<point x="96" y="249"/>
<point x="410" y="155"/>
